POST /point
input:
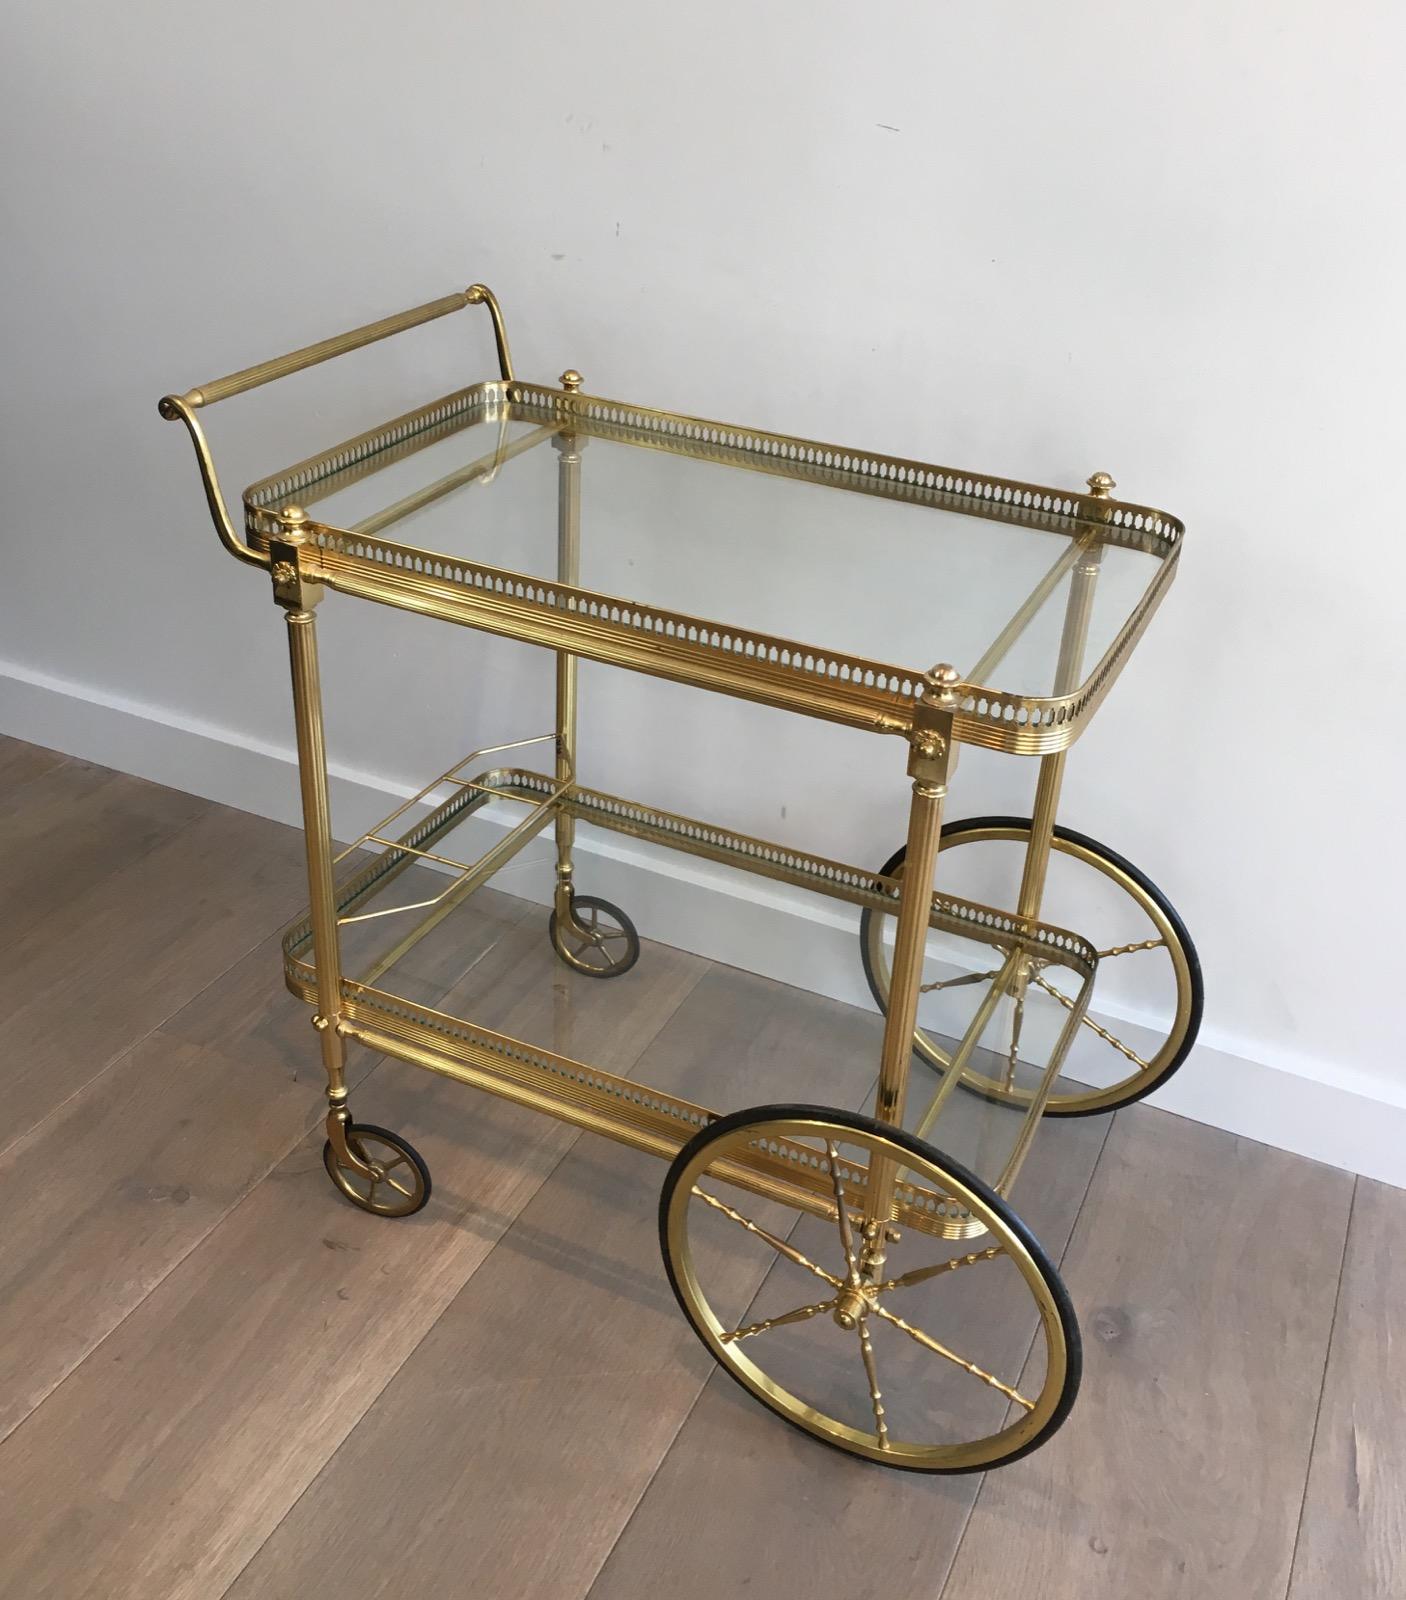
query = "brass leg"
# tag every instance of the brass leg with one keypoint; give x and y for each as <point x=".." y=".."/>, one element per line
<point x="1070" y="664"/>
<point x="1077" y="611"/>
<point x="1042" y="821"/>
<point x="929" y="766"/>
<point x="298" y="596"/>
<point x="910" y="941"/>
<point x="569" y="448"/>
<point x="590" y="935"/>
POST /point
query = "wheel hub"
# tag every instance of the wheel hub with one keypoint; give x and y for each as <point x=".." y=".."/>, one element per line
<point x="853" y="1307"/>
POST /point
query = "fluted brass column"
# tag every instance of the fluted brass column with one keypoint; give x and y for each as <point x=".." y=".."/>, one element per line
<point x="1068" y="669"/>
<point x="568" y="447"/>
<point x="929" y="765"/>
<point x="298" y="592"/>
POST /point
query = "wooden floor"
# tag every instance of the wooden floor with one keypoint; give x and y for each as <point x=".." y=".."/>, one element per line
<point x="218" y="1378"/>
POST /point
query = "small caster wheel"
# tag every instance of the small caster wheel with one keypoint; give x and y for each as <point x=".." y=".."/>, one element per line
<point x="598" y="939"/>
<point x="401" y="1184"/>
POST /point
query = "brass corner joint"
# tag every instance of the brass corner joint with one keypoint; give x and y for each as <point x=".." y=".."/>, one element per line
<point x="932" y="751"/>
<point x="296" y="586"/>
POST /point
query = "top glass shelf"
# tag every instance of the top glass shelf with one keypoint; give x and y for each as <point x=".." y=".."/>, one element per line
<point x="1034" y="595"/>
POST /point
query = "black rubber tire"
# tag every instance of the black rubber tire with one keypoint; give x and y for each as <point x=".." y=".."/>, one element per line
<point x="1069" y="1323"/>
<point x="953" y="830"/>
<point x="329" y="1161"/>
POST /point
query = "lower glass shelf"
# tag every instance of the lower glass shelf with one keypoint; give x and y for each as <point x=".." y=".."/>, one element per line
<point x="408" y="931"/>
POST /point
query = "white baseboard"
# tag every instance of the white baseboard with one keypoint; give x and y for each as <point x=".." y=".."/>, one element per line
<point x="1311" y="1109"/>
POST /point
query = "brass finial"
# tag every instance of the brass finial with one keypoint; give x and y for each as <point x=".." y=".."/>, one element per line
<point x="292" y="527"/>
<point x="571" y="381"/>
<point x="1101" y="485"/>
<point x="939" y="680"/>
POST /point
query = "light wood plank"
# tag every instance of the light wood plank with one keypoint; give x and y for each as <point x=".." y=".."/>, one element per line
<point x="100" y="971"/>
<point x="1205" y="1269"/>
<point x="115" y="1188"/>
<point x="522" y="1432"/>
<point x="72" y="827"/>
<point x="1352" y="1538"/>
<point x="108" y="1194"/>
<point x="21" y="762"/>
<point x="167" y="1457"/>
<point x="743" y="1501"/>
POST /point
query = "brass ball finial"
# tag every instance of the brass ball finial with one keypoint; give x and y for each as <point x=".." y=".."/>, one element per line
<point x="571" y="380"/>
<point x="940" y="679"/>
<point x="1101" y="485"/>
<point x="292" y="516"/>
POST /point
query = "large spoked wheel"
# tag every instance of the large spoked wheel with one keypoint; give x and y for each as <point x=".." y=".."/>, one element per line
<point x="399" y="1184"/>
<point x="900" y="1344"/>
<point x="1148" y="966"/>
<point x="596" y="939"/>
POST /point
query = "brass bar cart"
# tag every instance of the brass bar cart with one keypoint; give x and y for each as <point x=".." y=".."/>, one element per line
<point x="824" y="1257"/>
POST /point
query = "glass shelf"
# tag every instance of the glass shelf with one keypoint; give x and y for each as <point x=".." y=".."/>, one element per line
<point x="911" y="565"/>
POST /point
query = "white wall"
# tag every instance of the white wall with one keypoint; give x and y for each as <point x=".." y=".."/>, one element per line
<point x="1034" y="240"/>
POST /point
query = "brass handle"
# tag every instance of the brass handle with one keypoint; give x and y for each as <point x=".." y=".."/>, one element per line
<point x="182" y="407"/>
<point x="209" y="394"/>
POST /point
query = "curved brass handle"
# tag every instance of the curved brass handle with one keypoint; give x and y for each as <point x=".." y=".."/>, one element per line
<point x="183" y="406"/>
<point x="176" y="407"/>
<point x="481" y="294"/>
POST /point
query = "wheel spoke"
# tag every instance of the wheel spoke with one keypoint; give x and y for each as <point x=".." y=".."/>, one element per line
<point x="922" y="1274"/>
<point x="800" y="1314"/>
<point x="1128" y="949"/>
<point x="779" y="1245"/>
<point x="408" y="1193"/>
<point x="1117" y="1043"/>
<point x="956" y="983"/>
<point x="1050" y="989"/>
<point x="371" y="1192"/>
<point x="1017" y="1018"/>
<point x="876" y="1399"/>
<point x="589" y="939"/>
<point x="842" y="1212"/>
<point x="1093" y="1027"/>
<point x="937" y="1348"/>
